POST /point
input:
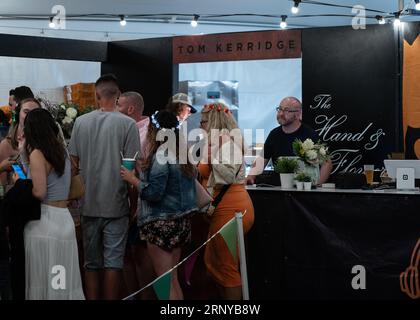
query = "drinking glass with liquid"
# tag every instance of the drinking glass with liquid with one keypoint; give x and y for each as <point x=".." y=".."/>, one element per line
<point x="368" y="170"/>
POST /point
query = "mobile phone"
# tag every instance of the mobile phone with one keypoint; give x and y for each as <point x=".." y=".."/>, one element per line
<point x="19" y="171"/>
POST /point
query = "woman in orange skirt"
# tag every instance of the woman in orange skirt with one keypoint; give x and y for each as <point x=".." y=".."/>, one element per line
<point x="224" y="166"/>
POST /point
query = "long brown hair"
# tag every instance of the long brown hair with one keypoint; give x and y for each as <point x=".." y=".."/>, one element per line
<point x="41" y="132"/>
<point x="164" y="120"/>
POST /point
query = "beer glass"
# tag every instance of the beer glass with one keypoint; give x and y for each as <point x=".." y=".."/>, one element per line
<point x="368" y="169"/>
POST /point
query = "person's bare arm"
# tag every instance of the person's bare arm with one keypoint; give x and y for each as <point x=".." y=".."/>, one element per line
<point x="257" y="168"/>
<point x="38" y="167"/>
<point x="74" y="165"/>
<point x="325" y="171"/>
<point x="133" y="199"/>
<point x="5" y="165"/>
<point x="6" y="151"/>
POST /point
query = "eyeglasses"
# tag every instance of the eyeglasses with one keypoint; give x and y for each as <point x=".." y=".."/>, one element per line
<point x="202" y="122"/>
<point x="286" y="110"/>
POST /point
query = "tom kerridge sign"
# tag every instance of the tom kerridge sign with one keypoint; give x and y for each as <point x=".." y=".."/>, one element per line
<point x="276" y="44"/>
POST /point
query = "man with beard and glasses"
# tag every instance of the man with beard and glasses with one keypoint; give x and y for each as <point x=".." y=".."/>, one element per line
<point x="280" y="140"/>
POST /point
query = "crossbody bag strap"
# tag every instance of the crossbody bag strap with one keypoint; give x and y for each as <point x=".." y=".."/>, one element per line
<point x="219" y="197"/>
<point x="222" y="192"/>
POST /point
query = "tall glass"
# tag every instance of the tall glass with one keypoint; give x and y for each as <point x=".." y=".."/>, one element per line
<point x="368" y="169"/>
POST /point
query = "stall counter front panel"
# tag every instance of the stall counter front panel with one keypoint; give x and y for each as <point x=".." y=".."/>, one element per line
<point x="333" y="244"/>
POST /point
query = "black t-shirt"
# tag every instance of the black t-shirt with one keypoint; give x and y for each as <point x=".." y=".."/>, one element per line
<point x="279" y="143"/>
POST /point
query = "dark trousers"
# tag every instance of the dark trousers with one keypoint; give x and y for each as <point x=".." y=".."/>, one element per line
<point x="4" y="280"/>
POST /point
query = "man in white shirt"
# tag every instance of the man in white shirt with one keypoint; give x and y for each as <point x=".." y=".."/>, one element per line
<point x="138" y="268"/>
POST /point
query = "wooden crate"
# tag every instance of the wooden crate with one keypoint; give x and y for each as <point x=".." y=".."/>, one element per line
<point x="82" y="94"/>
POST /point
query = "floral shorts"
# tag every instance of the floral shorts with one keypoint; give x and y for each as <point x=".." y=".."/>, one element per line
<point x="167" y="234"/>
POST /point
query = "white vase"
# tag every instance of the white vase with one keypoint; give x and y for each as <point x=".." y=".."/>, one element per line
<point x="312" y="171"/>
<point x="299" y="185"/>
<point x="286" y="180"/>
<point x="307" y="185"/>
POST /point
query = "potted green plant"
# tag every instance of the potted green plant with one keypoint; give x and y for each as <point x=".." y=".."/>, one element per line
<point x="303" y="180"/>
<point x="286" y="167"/>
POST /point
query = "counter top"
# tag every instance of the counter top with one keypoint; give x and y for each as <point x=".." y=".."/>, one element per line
<point x="328" y="190"/>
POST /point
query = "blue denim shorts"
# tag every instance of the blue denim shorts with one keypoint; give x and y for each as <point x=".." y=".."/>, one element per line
<point x="104" y="241"/>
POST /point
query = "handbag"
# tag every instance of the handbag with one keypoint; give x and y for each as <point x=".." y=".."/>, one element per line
<point x="212" y="207"/>
<point x="77" y="187"/>
<point x="203" y="196"/>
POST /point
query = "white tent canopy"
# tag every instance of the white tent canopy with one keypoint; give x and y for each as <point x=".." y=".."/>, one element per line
<point x="171" y="18"/>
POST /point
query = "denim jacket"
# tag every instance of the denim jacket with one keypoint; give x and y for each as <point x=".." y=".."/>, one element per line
<point x="166" y="193"/>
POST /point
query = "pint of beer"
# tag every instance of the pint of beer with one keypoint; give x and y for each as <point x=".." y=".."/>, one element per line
<point x="368" y="169"/>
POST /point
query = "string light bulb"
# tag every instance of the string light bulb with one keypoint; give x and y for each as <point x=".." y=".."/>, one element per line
<point x="51" y="24"/>
<point x="397" y="21"/>
<point x="380" y="19"/>
<point x="283" y="23"/>
<point x="194" y="21"/>
<point x="123" y="22"/>
<point x="295" y="8"/>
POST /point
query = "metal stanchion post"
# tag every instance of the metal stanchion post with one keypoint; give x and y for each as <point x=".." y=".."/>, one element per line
<point x="242" y="256"/>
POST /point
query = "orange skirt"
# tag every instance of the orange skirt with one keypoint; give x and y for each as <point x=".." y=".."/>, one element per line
<point x="217" y="257"/>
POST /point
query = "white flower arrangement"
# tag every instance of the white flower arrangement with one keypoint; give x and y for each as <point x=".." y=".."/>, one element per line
<point x="71" y="113"/>
<point x="67" y="120"/>
<point x="308" y="145"/>
<point x="311" y="153"/>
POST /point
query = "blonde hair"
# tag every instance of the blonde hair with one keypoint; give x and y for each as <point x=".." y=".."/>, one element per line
<point x="220" y="118"/>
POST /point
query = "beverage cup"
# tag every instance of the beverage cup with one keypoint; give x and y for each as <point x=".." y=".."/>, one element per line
<point x="129" y="163"/>
<point x="368" y="170"/>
